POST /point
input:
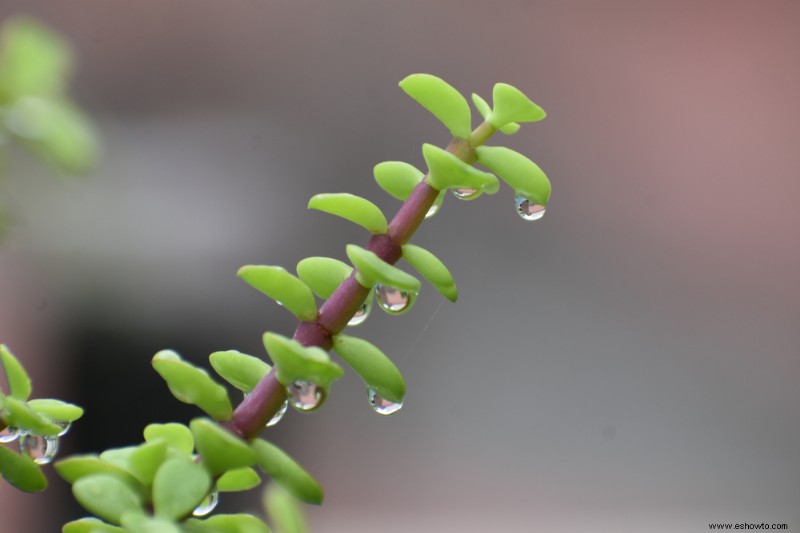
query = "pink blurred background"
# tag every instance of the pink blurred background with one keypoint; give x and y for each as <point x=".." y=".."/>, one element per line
<point x="629" y="363"/>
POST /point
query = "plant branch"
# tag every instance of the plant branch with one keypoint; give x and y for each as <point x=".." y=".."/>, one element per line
<point x="268" y="396"/>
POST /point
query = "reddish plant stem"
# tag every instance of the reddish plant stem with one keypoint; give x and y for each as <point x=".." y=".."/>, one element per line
<point x="268" y="396"/>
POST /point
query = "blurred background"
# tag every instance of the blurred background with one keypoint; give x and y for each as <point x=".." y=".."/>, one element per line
<point x="628" y="363"/>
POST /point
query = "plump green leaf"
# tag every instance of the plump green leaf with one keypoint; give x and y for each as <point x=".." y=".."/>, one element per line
<point x="521" y="174"/>
<point x="446" y="171"/>
<point x="511" y="105"/>
<point x="33" y="60"/>
<point x="140" y="523"/>
<point x="370" y="363"/>
<point x="295" y="362"/>
<point x="193" y="385"/>
<point x="286" y="514"/>
<point x="240" y="370"/>
<point x="56" y="131"/>
<point x="373" y="270"/>
<point x="283" y="287"/>
<point x="178" y="487"/>
<point x="19" y="383"/>
<point x="238" y="479"/>
<point x="353" y="208"/>
<point x="146" y="459"/>
<point x="119" y="457"/>
<point x="90" y="525"/>
<point x="220" y="449"/>
<point x="56" y="409"/>
<point x="431" y="269"/>
<point x="323" y="275"/>
<point x="486" y="111"/>
<point x="229" y="523"/>
<point x="397" y="178"/>
<point x="287" y="473"/>
<point x="76" y="467"/>
<point x="21" y="471"/>
<point x="441" y="99"/>
<point x="19" y="415"/>
<point x="175" y="435"/>
<point x="106" y="496"/>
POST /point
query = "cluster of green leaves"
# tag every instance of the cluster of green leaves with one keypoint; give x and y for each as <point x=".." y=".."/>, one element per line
<point x="156" y="486"/>
<point x="37" y="421"/>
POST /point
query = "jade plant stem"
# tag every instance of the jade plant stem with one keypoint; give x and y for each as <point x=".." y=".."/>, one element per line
<point x="268" y="396"/>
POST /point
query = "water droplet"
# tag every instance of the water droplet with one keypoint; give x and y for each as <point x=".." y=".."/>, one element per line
<point x="9" y="434"/>
<point x="305" y="396"/>
<point x="527" y="209"/>
<point x="433" y="210"/>
<point x="64" y="425"/>
<point x="41" y="449"/>
<point x="279" y="415"/>
<point x="207" y="505"/>
<point x="381" y="405"/>
<point x="466" y="194"/>
<point x="363" y="312"/>
<point x="394" y="301"/>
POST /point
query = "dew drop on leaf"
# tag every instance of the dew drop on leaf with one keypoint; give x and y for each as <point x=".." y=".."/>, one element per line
<point x="394" y="301"/>
<point x="207" y="505"/>
<point x="305" y="396"/>
<point x="64" y="425"/>
<point x="279" y="415"/>
<point x="466" y="194"/>
<point x="381" y="405"/>
<point x="41" y="449"/>
<point x="363" y="312"/>
<point x="433" y="210"/>
<point x="9" y="434"/>
<point x="527" y="209"/>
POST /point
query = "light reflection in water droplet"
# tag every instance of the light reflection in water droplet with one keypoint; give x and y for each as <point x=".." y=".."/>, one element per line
<point x="305" y="396"/>
<point x="363" y="312"/>
<point x="528" y="210"/>
<point x="9" y="434"/>
<point x="394" y="301"/>
<point x="466" y="194"/>
<point x="381" y="405"/>
<point x="41" y="449"/>
<point x="207" y="505"/>
<point x="279" y="415"/>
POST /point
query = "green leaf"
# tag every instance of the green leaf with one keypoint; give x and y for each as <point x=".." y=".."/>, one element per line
<point x="441" y="99"/>
<point x="323" y="275"/>
<point x="19" y="415"/>
<point x="19" y="383"/>
<point x="511" y="105"/>
<point x="176" y="436"/>
<point x="90" y="525"/>
<point x="521" y="174"/>
<point x="370" y="363"/>
<point x="353" y="208"/>
<point x="220" y="449"/>
<point x="119" y="457"/>
<point x="232" y="523"/>
<point x="373" y="270"/>
<point x="56" y="131"/>
<point x="240" y="370"/>
<point x="76" y="467"/>
<point x="106" y="496"/>
<point x="193" y="385"/>
<point x="21" y="471"/>
<point x="33" y="59"/>
<point x="146" y="459"/>
<point x="287" y="473"/>
<point x="431" y="269"/>
<point x="286" y="514"/>
<point x="178" y="487"/>
<point x="56" y="409"/>
<point x="282" y="287"/>
<point x="139" y="523"/>
<point x="238" y="479"/>
<point x="447" y="171"/>
<point x="397" y="178"/>
<point x="295" y="362"/>
<point x="486" y="111"/>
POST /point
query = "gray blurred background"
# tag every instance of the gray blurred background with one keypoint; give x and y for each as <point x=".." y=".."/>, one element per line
<point x="628" y="363"/>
